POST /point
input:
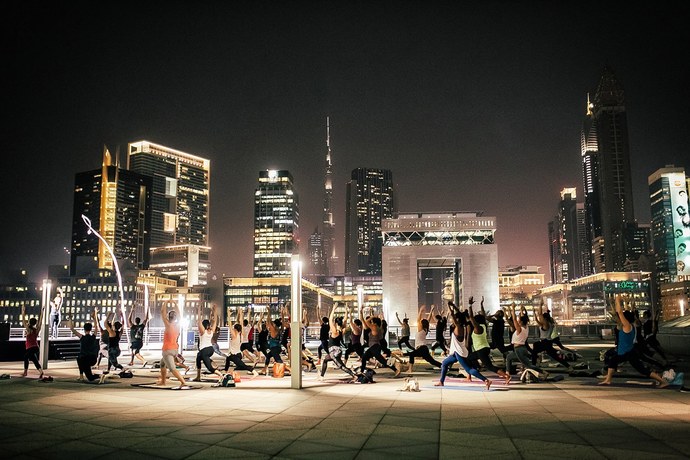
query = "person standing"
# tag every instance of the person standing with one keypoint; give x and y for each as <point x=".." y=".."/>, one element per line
<point x="114" y="334"/>
<point x="519" y="341"/>
<point x="88" y="347"/>
<point x="31" y="329"/>
<point x="56" y="313"/>
<point x="170" y="345"/>
<point x="324" y="331"/>
<point x="136" y="335"/>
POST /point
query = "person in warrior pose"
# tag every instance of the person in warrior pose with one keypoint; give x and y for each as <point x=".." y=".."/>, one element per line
<point x="625" y="349"/>
<point x="335" y="352"/>
<point x="31" y="329"/>
<point x="170" y="345"/>
<point x="480" y="344"/>
<point x="205" y="353"/>
<point x="421" y="349"/>
<point x="459" y="347"/>
<point x="404" y="338"/>
<point x="136" y="336"/>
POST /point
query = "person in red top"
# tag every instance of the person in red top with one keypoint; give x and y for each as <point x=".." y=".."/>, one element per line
<point x="170" y="345"/>
<point x="33" y="327"/>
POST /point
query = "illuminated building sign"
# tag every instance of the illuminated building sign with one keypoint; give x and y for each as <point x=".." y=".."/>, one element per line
<point x="681" y="222"/>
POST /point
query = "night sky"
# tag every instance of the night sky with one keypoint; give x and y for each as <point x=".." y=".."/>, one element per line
<point x="472" y="105"/>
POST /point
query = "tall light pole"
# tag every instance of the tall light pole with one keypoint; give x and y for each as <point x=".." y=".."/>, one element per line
<point x="45" y="318"/>
<point x="296" y="323"/>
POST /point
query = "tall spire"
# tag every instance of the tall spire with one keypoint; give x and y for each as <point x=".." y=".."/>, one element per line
<point x="328" y="224"/>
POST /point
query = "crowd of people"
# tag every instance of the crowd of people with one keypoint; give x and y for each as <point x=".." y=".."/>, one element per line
<point x="476" y="342"/>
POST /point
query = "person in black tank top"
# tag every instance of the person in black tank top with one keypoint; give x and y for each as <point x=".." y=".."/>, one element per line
<point x="335" y="351"/>
<point x="373" y="324"/>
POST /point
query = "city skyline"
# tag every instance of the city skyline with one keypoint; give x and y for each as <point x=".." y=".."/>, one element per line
<point x="465" y="116"/>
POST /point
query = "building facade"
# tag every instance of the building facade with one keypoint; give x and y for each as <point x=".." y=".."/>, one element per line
<point x="433" y="258"/>
<point x="276" y="224"/>
<point x="668" y="194"/>
<point x="118" y="204"/>
<point x="370" y="200"/>
<point x="609" y="117"/>
<point x="180" y="197"/>
<point x="563" y="237"/>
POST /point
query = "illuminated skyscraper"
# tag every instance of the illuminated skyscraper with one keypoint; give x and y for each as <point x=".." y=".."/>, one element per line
<point x="276" y="224"/>
<point x="370" y="199"/>
<point x="610" y="125"/>
<point x="180" y="219"/>
<point x="590" y="181"/>
<point x="668" y="195"/>
<point x="563" y="233"/>
<point x="118" y="203"/>
<point x="328" y="230"/>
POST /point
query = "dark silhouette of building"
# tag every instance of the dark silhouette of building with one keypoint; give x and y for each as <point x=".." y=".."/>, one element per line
<point x="370" y="199"/>
<point x="118" y="204"/>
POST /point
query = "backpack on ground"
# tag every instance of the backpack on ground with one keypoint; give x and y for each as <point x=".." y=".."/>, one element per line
<point x="366" y="376"/>
<point x="227" y="381"/>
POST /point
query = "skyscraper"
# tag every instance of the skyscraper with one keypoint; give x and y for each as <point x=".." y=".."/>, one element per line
<point x="668" y="195"/>
<point x="563" y="238"/>
<point x="276" y="224"/>
<point x="328" y="223"/>
<point x="609" y="121"/>
<point x="370" y="199"/>
<point x="316" y="257"/>
<point x="118" y="203"/>
<point x="180" y="218"/>
<point x="590" y="181"/>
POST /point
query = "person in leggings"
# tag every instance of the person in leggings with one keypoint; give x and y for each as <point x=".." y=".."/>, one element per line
<point x="421" y="349"/>
<point x="170" y="345"/>
<point x="335" y="351"/>
<point x="404" y="338"/>
<point x="373" y="324"/>
<point x="88" y="347"/>
<point x="273" y="344"/>
<point x="518" y="340"/>
<point x="481" y="349"/>
<point x="544" y="344"/>
<point x="32" y="328"/>
<point x="355" y="345"/>
<point x="625" y="349"/>
<point x="458" y="348"/>
<point x="235" y="352"/>
<point x="206" y="351"/>
<point x="114" y="334"/>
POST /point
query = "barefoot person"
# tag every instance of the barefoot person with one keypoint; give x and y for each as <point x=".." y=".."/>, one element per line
<point x="335" y="352"/>
<point x="206" y="351"/>
<point x="88" y="347"/>
<point x="170" y="345"/>
<point x="114" y="334"/>
<point x="136" y="335"/>
<point x="480" y="343"/>
<point x="421" y="348"/>
<point x="404" y="338"/>
<point x="32" y="328"/>
<point x="235" y="350"/>
<point x="458" y="347"/>
<point x="625" y="349"/>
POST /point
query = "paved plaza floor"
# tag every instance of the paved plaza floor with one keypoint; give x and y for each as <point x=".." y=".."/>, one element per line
<point x="265" y="418"/>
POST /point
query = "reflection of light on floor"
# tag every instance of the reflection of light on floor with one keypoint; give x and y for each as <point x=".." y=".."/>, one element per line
<point x="592" y="345"/>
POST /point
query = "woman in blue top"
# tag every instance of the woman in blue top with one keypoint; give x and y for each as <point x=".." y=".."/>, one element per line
<point x="625" y="349"/>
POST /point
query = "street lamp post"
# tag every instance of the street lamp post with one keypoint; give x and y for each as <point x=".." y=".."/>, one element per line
<point x="45" y="308"/>
<point x="296" y="324"/>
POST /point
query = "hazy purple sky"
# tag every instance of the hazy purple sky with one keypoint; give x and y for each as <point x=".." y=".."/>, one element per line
<point x="472" y="105"/>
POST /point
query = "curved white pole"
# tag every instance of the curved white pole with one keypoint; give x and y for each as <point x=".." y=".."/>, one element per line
<point x="87" y="221"/>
